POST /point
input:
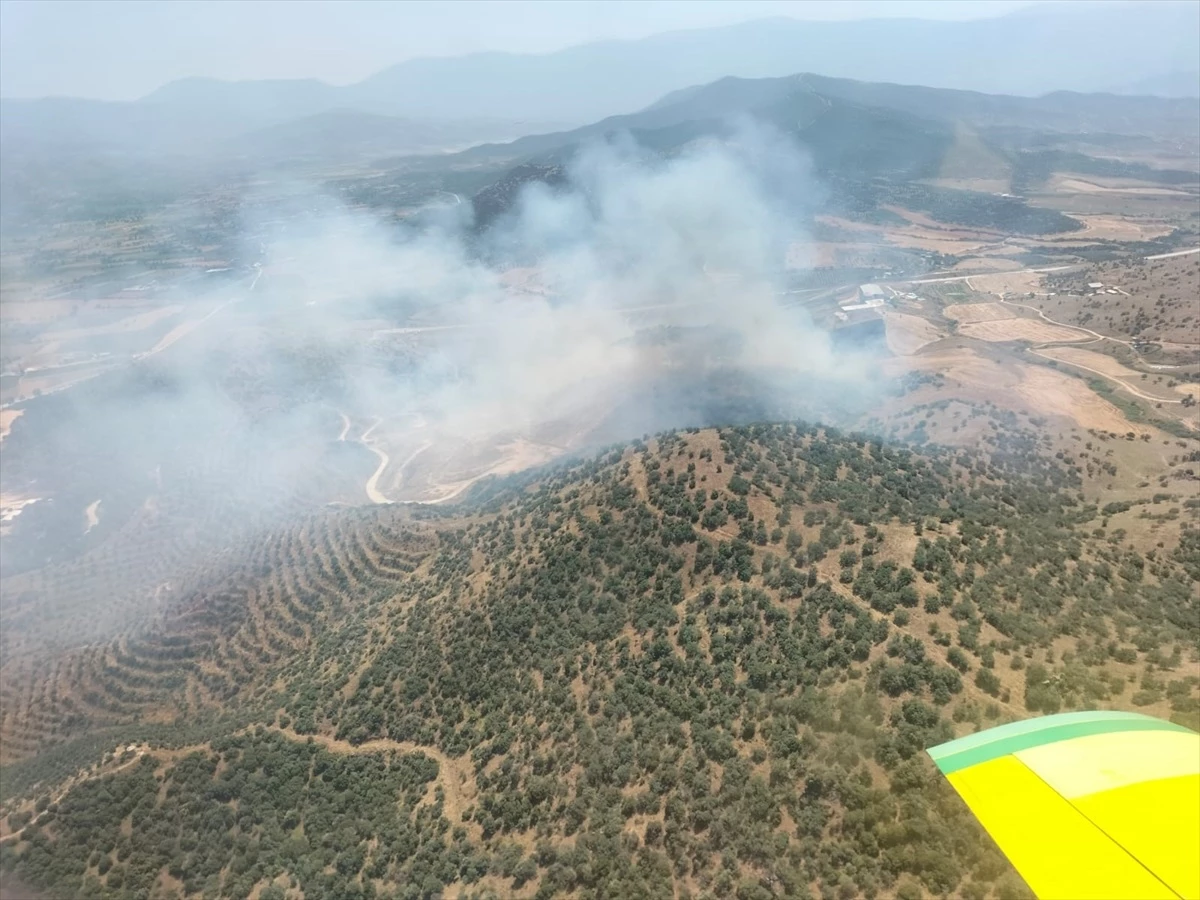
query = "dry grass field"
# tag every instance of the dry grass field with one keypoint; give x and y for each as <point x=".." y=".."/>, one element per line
<point x="1101" y="363"/>
<point x="1054" y="393"/>
<point x="972" y="313"/>
<point x="1017" y="329"/>
<point x="907" y="334"/>
<point x="975" y="378"/>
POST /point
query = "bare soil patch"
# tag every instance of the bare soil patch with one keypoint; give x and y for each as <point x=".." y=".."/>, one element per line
<point x="1188" y="388"/>
<point x="1100" y="362"/>
<point x="11" y="506"/>
<point x="994" y="263"/>
<point x="923" y="233"/>
<point x="1035" y="388"/>
<point x="514" y="456"/>
<point x="1007" y="282"/>
<point x="907" y="334"/>
<point x="184" y="328"/>
<point x="1122" y="228"/>
<point x="172" y="336"/>
<point x="50" y="380"/>
<point x="980" y="185"/>
<point x="1105" y="365"/>
<point x="958" y="365"/>
<point x="7" y="418"/>
<point x="1057" y="394"/>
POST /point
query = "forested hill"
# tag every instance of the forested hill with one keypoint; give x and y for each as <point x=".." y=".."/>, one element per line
<point x="703" y="665"/>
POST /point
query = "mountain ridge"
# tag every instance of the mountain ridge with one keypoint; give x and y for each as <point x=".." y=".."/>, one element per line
<point x="571" y="85"/>
<point x="731" y="644"/>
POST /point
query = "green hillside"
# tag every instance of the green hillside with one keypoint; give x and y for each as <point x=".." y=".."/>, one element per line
<point x="702" y="665"/>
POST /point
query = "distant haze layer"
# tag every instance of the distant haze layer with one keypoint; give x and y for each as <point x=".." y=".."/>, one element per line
<point x="1154" y="48"/>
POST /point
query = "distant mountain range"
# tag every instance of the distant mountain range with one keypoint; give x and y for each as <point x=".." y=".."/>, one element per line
<point x="1170" y="84"/>
<point x="1076" y="47"/>
<point x="870" y="144"/>
<point x="793" y="102"/>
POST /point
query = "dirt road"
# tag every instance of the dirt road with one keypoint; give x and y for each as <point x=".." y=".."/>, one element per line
<point x="77" y="780"/>
<point x="456" y="777"/>
<point x="373" y="492"/>
<point x="1036" y="351"/>
<point x="179" y="331"/>
<point x="92" y="514"/>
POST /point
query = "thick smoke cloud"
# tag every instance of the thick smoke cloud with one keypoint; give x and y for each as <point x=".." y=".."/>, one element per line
<point x="631" y="241"/>
<point x="368" y="361"/>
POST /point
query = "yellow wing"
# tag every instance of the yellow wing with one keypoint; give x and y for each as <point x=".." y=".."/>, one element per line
<point x="1087" y="806"/>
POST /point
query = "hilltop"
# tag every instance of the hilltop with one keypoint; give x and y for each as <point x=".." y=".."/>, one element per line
<point x="960" y="157"/>
<point x="703" y="663"/>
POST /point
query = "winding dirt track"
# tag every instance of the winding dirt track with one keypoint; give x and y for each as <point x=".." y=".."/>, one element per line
<point x="1107" y="376"/>
<point x="72" y="783"/>
<point x="1095" y="334"/>
<point x="456" y="777"/>
<point x="1096" y="337"/>
<point x="373" y="492"/>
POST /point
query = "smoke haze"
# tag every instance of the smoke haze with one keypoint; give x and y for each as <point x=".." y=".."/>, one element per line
<point x="368" y="361"/>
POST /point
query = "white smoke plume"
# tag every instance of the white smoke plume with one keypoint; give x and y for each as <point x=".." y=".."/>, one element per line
<point x="694" y="240"/>
<point x="382" y="362"/>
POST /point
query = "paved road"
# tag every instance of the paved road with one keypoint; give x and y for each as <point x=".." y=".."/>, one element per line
<point x="1176" y="253"/>
<point x="1041" y="269"/>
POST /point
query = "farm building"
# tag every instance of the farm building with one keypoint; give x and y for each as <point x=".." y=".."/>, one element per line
<point x="871" y="292"/>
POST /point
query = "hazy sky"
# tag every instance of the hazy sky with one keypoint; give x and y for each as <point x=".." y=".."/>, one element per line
<point x="123" y="49"/>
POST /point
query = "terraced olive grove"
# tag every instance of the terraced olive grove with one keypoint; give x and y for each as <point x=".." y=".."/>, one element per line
<point x="701" y="665"/>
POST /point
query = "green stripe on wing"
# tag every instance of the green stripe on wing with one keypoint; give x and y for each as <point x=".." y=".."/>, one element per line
<point x="1016" y="736"/>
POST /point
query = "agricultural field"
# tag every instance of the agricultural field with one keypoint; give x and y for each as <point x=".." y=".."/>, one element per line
<point x="973" y="313"/>
<point x="1017" y="328"/>
<point x="907" y="334"/>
